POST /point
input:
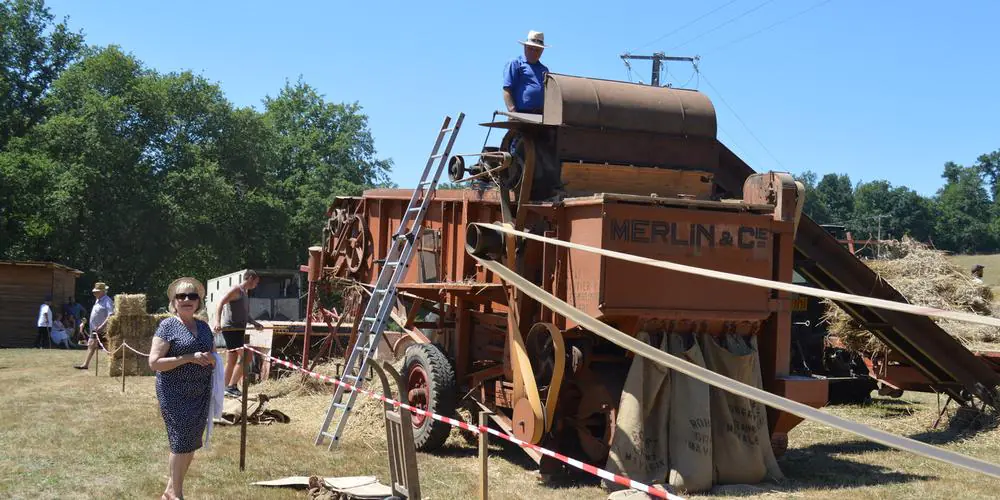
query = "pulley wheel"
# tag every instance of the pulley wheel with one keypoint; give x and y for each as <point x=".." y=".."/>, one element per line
<point x="517" y="145"/>
<point x="541" y="351"/>
<point x="456" y="168"/>
<point x="523" y="420"/>
<point x="356" y="246"/>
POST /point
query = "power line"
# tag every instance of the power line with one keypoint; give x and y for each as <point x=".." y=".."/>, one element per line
<point x="755" y="33"/>
<point x="703" y="16"/>
<point x="739" y="16"/>
<point x="733" y="111"/>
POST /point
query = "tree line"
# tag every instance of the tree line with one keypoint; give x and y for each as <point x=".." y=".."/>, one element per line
<point x="963" y="216"/>
<point x="137" y="176"/>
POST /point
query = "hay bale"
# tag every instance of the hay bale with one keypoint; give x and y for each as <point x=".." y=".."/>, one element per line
<point x="131" y="324"/>
<point x="925" y="277"/>
<point x="130" y="304"/>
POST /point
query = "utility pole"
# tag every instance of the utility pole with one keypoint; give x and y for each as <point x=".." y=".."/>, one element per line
<point x="879" y="217"/>
<point x="658" y="58"/>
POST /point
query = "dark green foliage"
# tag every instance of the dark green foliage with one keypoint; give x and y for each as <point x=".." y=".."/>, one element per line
<point x="138" y="177"/>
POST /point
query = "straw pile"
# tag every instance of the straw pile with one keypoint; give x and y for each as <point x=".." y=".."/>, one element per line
<point x="367" y="418"/>
<point x="924" y="277"/>
<point x="131" y="324"/>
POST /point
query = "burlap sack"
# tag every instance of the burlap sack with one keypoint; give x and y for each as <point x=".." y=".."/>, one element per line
<point x="764" y="432"/>
<point x="741" y="444"/>
<point x="690" y="423"/>
<point x="639" y="446"/>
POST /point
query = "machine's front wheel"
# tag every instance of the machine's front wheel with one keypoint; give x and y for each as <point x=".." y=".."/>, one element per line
<point x="430" y="386"/>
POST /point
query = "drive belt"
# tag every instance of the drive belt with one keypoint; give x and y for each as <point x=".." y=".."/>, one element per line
<point x="727" y="384"/>
<point x="759" y="282"/>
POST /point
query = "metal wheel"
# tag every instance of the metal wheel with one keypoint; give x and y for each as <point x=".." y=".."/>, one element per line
<point x="456" y="168"/>
<point x="332" y="227"/>
<point x="518" y="146"/>
<point x="356" y="247"/>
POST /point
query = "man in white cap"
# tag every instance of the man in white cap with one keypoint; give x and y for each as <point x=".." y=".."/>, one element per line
<point x="99" y="315"/>
<point x="524" y="77"/>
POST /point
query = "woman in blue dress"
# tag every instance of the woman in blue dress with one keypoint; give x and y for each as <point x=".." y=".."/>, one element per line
<point x="182" y="358"/>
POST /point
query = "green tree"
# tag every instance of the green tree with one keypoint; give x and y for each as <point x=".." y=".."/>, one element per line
<point x="897" y="211"/>
<point x="963" y="211"/>
<point x="150" y="172"/>
<point x="33" y="52"/>
<point x="814" y="206"/>
<point x="836" y="192"/>
<point x="323" y="150"/>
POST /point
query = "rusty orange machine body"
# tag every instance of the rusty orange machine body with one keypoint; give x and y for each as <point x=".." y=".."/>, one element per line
<point x="630" y="170"/>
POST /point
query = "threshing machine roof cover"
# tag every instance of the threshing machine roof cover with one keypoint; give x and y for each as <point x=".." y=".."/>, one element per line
<point x="588" y="102"/>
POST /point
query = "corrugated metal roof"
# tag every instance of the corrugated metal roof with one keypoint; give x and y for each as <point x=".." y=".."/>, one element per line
<point x="37" y="263"/>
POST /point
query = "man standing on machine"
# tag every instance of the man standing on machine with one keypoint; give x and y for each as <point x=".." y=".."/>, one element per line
<point x="524" y="77"/>
<point x="233" y="314"/>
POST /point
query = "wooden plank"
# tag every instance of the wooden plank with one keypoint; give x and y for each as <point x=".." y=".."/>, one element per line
<point x="598" y="178"/>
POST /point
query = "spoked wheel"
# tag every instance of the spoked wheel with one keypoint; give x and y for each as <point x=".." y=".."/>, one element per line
<point x="430" y="386"/>
<point x="332" y="227"/>
<point x="521" y="149"/>
<point x="356" y="247"/>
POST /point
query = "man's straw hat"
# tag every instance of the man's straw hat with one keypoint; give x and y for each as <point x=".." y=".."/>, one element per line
<point x="535" y="39"/>
<point x="100" y="287"/>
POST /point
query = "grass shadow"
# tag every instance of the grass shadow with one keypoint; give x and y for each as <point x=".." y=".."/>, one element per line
<point x="815" y="467"/>
<point x="961" y="426"/>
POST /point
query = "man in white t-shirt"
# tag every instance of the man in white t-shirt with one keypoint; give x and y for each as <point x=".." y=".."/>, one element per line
<point x="99" y="314"/>
<point x="44" y="323"/>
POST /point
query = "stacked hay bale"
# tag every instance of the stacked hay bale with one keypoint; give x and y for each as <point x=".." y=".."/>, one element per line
<point x="925" y="277"/>
<point x="133" y="325"/>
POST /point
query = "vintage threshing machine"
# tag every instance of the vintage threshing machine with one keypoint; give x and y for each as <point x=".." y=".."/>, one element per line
<point x="608" y="164"/>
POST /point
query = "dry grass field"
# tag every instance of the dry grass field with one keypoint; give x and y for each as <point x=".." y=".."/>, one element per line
<point x="991" y="275"/>
<point x="70" y="434"/>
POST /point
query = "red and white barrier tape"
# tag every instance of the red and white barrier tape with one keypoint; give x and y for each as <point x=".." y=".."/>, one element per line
<point x="597" y="471"/>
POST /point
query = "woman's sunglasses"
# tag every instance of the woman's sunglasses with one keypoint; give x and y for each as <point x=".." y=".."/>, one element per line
<point x="189" y="296"/>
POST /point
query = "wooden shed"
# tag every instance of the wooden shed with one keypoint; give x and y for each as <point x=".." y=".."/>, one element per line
<point x="23" y="287"/>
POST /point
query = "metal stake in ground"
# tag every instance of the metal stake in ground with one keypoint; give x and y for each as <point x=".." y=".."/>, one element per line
<point x="124" y="353"/>
<point x="243" y="423"/>
<point x="484" y="449"/>
<point x="315" y="269"/>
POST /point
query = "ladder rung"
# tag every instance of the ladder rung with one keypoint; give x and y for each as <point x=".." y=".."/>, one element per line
<point x="437" y="155"/>
<point x="414" y="209"/>
<point x="329" y="435"/>
<point x="341" y="406"/>
<point x="392" y="264"/>
<point x="426" y="183"/>
<point x="448" y="129"/>
<point x="370" y="318"/>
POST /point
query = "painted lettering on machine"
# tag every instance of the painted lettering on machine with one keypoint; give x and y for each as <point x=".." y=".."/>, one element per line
<point x="688" y="234"/>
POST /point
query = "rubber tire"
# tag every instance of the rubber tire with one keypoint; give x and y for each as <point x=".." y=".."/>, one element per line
<point x="433" y="433"/>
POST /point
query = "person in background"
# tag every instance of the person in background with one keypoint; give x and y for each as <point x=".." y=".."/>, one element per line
<point x="232" y="315"/>
<point x="74" y="308"/>
<point x="99" y="314"/>
<point x="60" y="332"/>
<point x="977" y="273"/>
<point x="44" y="323"/>
<point x="183" y="358"/>
<point x="524" y="77"/>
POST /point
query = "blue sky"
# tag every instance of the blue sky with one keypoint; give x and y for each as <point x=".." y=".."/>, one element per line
<point x="887" y="89"/>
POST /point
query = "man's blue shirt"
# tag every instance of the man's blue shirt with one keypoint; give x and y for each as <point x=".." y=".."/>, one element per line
<point x="526" y="82"/>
